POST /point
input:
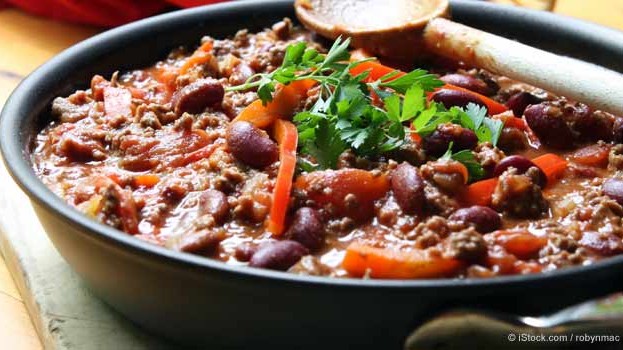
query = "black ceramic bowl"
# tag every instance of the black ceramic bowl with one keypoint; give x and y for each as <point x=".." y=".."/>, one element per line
<point x="194" y="300"/>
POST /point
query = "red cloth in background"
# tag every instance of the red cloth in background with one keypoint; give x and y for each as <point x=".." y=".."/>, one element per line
<point x="105" y="13"/>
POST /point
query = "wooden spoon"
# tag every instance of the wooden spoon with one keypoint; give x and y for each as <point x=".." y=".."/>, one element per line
<point x="408" y="28"/>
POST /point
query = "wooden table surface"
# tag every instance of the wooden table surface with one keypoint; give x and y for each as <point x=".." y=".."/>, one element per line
<point x="27" y="41"/>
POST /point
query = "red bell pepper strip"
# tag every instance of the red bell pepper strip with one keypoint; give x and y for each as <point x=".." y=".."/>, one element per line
<point x="552" y="165"/>
<point x="202" y="55"/>
<point x="480" y="192"/>
<point x="376" y="70"/>
<point x="287" y="137"/>
<point x="284" y="103"/>
<point x="493" y="107"/>
<point x="394" y="264"/>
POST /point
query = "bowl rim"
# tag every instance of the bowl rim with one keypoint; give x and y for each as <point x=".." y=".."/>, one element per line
<point x="17" y="161"/>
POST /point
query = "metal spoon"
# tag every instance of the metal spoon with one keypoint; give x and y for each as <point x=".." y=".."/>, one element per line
<point x="575" y="327"/>
<point x="407" y="28"/>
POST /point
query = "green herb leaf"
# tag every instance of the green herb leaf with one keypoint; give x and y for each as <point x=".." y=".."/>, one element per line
<point x="495" y="126"/>
<point x="266" y="89"/>
<point x="475" y="170"/>
<point x="338" y="52"/>
<point x="476" y="113"/>
<point x="319" y="138"/>
<point x="294" y="54"/>
<point x="392" y="106"/>
<point x="420" y="77"/>
<point x="414" y="103"/>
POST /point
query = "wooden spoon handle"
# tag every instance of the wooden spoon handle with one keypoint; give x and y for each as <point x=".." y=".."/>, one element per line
<point x="596" y="86"/>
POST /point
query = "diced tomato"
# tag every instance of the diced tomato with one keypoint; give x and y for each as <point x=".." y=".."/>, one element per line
<point x="333" y="187"/>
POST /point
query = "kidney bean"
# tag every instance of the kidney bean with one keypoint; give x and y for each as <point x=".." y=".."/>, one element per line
<point x="408" y="188"/>
<point x="548" y="124"/>
<point x="215" y="203"/>
<point x="436" y="144"/>
<point x="279" y="255"/>
<point x="450" y="98"/>
<point x="617" y="130"/>
<point x="483" y="218"/>
<point x="307" y="228"/>
<point x="613" y="188"/>
<point x="245" y="251"/>
<point x="520" y="101"/>
<point x="606" y="244"/>
<point x="251" y="145"/>
<point x="195" y="97"/>
<point x="240" y="74"/>
<point x="522" y="164"/>
<point x="594" y="126"/>
<point x="467" y="82"/>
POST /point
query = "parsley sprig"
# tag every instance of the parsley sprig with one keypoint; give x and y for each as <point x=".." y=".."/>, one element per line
<point x="473" y="117"/>
<point x="300" y="63"/>
<point x="347" y="116"/>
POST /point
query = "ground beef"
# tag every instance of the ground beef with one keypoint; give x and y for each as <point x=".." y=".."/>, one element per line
<point x="563" y="259"/>
<point x="431" y="231"/>
<point x="615" y="158"/>
<point x="512" y="140"/>
<point x="164" y="114"/>
<point x="75" y="107"/>
<point x="282" y="29"/>
<point x="438" y="202"/>
<point x="606" y="215"/>
<point x="466" y="245"/>
<point x="409" y="152"/>
<point x="348" y="159"/>
<point x="488" y="156"/>
<point x="519" y="195"/>
<point x="449" y="182"/>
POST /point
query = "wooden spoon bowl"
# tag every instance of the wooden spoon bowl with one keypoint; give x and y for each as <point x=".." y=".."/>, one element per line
<point x="385" y="28"/>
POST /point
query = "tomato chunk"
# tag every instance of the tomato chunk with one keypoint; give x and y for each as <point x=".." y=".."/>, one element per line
<point x="351" y="192"/>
